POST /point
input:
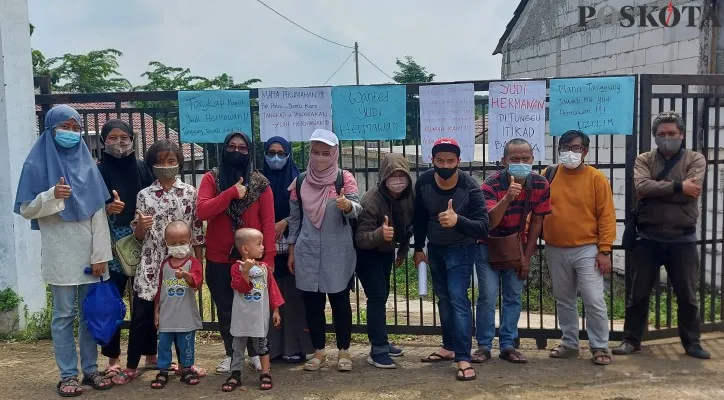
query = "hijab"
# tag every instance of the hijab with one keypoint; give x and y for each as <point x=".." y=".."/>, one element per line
<point x="280" y="180"/>
<point x="47" y="163"/>
<point x="124" y="175"/>
<point x="317" y="187"/>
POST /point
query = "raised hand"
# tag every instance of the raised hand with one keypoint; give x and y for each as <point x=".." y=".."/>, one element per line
<point x="514" y="190"/>
<point x="448" y="218"/>
<point x="117" y="206"/>
<point x="62" y="191"/>
<point x="388" y="232"/>
<point x="144" y="221"/>
<point x="241" y="189"/>
<point x="247" y="265"/>
<point x="343" y="204"/>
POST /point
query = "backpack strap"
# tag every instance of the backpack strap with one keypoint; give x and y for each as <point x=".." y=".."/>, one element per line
<point x="338" y="185"/>
<point x="551" y="172"/>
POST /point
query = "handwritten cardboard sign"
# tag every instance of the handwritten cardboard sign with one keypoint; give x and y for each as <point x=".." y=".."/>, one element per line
<point x="596" y="106"/>
<point x="517" y="110"/>
<point x="448" y="111"/>
<point x="369" y="112"/>
<point x="294" y="113"/>
<point x="208" y="116"/>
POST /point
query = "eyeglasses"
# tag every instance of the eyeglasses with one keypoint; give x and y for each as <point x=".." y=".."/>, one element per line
<point x="280" y="153"/>
<point x="243" y="149"/>
<point x="575" y="148"/>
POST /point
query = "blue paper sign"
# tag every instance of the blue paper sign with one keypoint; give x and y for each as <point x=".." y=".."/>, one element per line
<point x="208" y="116"/>
<point x="596" y="106"/>
<point x="369" y="112"/>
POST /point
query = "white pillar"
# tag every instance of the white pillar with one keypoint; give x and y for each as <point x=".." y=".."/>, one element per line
<point x="19" y="246"/>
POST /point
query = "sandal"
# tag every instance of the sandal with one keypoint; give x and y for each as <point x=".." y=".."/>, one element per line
<point x="513" y="356"/>
<point x="112" y="370"/>
<point x="294" y="359"/>
<point x="563" y="352"/>
<point x="232" y="382"/>
<point x="314" y="363"/>
<point x="601" y="357"/>
<point x="69" y="383"/>
<point x="199" y="371"/>
<point x="436" y="357"/>
<point x="124" y="376"/>
<point x="344" y="362"/>
<point x="461" y="374"/>
<point x="160" y="381"/>
<point x="480" y="356"/>
<point x="266" y="382"/>
<point x="190" y="377"/>
<point x="97" y="381"/>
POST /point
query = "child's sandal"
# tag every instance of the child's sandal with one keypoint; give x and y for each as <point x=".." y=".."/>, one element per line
<point x="190" y="377"/>
<point x="266" y="382"/>
<point x="232" y="382"/>
<point x="160" y="381"/>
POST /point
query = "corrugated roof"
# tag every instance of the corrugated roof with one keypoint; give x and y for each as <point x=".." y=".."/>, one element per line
<point x="510" y="26"/>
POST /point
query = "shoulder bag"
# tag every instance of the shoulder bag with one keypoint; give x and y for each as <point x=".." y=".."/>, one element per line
<point x="506" y="252"/>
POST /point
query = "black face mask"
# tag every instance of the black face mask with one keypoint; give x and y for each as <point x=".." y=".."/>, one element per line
<point x="236" y="159"/>
<point x="445" y="173"/>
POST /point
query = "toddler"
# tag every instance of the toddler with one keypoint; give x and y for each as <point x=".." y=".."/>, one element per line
<point x="177" y="314"/>
<point x="256" y="296"/>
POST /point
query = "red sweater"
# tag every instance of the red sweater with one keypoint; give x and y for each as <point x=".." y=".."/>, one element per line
<point x="211" y="207"/>
<point x="241" y="285"/>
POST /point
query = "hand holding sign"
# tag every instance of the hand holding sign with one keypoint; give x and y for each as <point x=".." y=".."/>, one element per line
<point x="343" y="204"/>
<point x="388" y="232"/>
<point x="62" y="191"/>
<point x="117" y="206"/>
<point x="514" y="190"/>
<point x="448" y="218"/>
<point x="241" y="189"/>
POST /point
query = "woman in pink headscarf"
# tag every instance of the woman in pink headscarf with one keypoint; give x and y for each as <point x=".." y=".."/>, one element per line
<point x="323" y="200"/>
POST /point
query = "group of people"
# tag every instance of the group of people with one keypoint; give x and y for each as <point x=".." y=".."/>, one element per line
<point x="279" y="244"/>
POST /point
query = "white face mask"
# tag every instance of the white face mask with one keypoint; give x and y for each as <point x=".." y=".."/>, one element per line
<point x="397" y="184"/>
<point x="180" y="251"/>
<point x="570" y="159"/>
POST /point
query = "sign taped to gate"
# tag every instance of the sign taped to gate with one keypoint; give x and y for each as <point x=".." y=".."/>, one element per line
<point x="294" y="113"/>
<point x="516" y="110"/>
<point x="376" y="112"/>
<point x="448" y="111"/>
<point x="207" y="116"/>
<point x="596" y="106"/>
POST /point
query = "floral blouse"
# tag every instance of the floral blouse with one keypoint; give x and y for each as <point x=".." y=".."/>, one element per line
<point x="179" y="203"/>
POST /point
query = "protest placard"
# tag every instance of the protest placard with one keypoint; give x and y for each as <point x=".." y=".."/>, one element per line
<point x="448" y="111"/>
<point x="294" y="113"/>
<point x="369" y="112"/>
<point x="208" y="116"/>
<point x="517" y="109"/>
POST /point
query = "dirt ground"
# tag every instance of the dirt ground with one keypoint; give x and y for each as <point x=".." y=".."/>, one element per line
<point x="662" y="371"/>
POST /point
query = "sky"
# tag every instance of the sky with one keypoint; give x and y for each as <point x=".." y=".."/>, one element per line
<point x="452" y="39"/>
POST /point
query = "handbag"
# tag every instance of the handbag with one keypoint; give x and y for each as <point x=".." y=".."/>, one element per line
<point x="506" y="252"/>
<point x="128" y="254"/>
<point x="630" y="231"/>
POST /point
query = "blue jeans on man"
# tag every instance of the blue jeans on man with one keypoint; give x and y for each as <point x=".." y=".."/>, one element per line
<point x="488" y="281"/>
<point x="451" y="268"/>
<point x="61" y="328"/>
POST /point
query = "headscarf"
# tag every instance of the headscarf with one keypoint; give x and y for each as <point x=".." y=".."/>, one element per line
<point x="47" y="163"/>
<point x="315" y="190"/>
<point x="280" y="180"/>
<point x="122" y="174"/>
<point x="227" y="175"/>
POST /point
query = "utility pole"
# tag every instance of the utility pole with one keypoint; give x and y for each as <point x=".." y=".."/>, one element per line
<point x="356" y="61"/>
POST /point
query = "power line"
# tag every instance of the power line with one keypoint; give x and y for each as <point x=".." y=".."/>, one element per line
<point x="375" y="65"/>
<point x="301" y="27"/>
<point x="340" y="67"/>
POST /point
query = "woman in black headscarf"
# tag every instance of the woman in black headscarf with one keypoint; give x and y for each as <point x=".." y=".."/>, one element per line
<point x="232" y="197"/>
<point x="292" y="342"/>
<point x="124" y="176"/>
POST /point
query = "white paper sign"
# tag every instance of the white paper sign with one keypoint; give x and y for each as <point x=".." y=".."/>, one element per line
<point x="294" y="113"/>
<point x="448" y="111"/>
<point x="517" y="109"/>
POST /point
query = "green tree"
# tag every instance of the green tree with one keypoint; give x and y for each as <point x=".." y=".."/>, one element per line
<point x="409" y="71"/>
<point x="94" y="72"/>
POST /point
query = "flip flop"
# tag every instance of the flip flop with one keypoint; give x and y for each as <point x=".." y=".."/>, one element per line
<point x="513" y="356"/>
<point x="461" y="374"/>
<point x="435" y="358"/>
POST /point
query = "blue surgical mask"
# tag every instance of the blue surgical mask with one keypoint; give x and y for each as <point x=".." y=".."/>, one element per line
<point x="66" y="139"/>
<point x="520" y="170"/>
<point x="276" y="163"/>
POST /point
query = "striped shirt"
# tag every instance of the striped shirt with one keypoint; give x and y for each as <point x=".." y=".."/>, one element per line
<point x="496" y="187"/>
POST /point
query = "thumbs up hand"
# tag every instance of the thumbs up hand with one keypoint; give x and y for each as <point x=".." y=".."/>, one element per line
<point x="388" y="232"/>
<point x="117" y="206"/>
<point x="448" y="218"/>
<point x="241" y="188"/>
<point x="343" y="204"/>
<point x="61" y="190"/>
<point x="144" y="221"/>
<point x="514" y="189"/>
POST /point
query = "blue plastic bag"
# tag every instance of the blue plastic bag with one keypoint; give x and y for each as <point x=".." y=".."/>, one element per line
<point x="104" y="310"/>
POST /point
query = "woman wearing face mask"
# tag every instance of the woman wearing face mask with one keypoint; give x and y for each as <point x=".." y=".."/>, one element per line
<point x="232" y="197"/>
<point x="292" y="341"/>
<point x="124" y="176"/>
<point x="64" y="196"/>
<point x="321" y="248"/>
<point x="166" y="200"/>
<point x="385" y="224"/>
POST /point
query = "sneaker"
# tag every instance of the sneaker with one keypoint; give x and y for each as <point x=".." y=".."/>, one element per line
<point x="696" y="351"/>
<point x="381" y="360"/>
<point x="255" y="363"/>
<point x="396" y="351"/>
<point x="626" y="348"/>
<point x="224" y="366"/>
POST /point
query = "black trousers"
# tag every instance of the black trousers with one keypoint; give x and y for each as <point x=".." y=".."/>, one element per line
<point x="373" y="270"/>
<point x="314" y="303"/>
<point x="681" y="261"/>
<point x="142" y="332"/>
<point x="218" y="279"/>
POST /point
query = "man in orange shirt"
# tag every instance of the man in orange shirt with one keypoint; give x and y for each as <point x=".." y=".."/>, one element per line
<point x="579" y="235"/>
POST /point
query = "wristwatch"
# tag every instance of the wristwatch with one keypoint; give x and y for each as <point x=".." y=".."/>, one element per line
<point x="605" y="253"/>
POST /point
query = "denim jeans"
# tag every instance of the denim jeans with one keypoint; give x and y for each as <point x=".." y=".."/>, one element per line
<point x="451" y="268"/>
<point x="373" y="270"/>
<point x="61" y="328"/>
<point x="488" y="281"/>
<point x="185" y="348"/>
